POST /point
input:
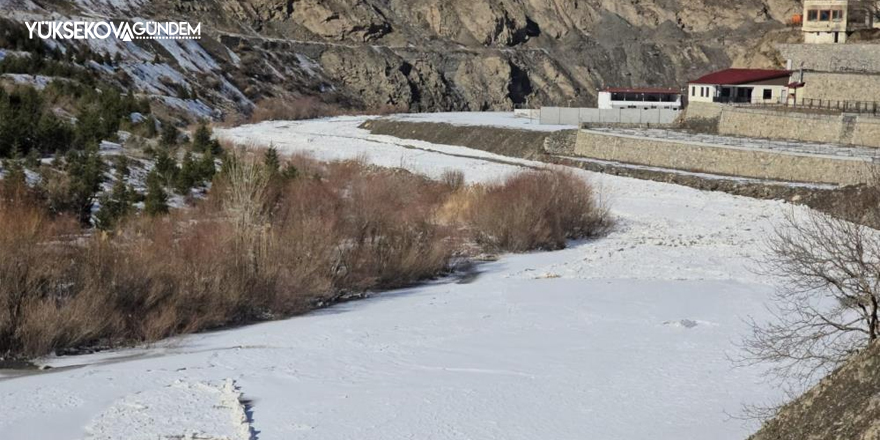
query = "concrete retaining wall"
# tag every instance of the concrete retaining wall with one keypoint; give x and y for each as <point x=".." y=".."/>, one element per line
<point x="694" y="156"/>
<point x="577" y="116"/>
<point x="527" y="113"/>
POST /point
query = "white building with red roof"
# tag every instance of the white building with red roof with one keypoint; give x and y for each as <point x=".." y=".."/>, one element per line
<point x="639" y="98"/>
<point x="756" y="86"/>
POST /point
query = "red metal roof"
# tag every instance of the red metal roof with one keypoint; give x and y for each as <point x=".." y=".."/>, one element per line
<point x="649" y="90"/>
<point x="741" y="76"/>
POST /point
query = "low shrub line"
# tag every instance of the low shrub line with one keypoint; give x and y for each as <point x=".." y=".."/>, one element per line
<point x="265" y="244"/>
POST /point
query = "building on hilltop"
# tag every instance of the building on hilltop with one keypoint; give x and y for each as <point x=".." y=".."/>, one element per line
<point x="755" y="86"/>
<point x="833" y="21"/>
<point x="640" y="98"/>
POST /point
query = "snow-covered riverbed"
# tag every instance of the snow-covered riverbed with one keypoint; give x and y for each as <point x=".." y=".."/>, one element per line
<point x="625" y="337"/>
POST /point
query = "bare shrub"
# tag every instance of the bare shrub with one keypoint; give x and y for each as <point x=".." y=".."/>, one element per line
<point x="454" y="179"/>
<point x="535" y="210"/>
<point x="310" y="107"/>
<point x="828" y="307"/>
<point x="280" y="109"/>
<point x="390" y="221"/>
<point x="331" y="230"/>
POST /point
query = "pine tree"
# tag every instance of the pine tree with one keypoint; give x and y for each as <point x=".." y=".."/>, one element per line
<point x="206" y="167"/>
<point x="14" y="167"/>
<point x="86" y="172"/>
<point x="13" y="186"/>
<point x="150" y="130"/>
<point x="122" y="167"/>
<point x="115" y="207"/>
<point x="156" y="200"/>
<point x="202" y="141"/>
<point x="187" y="177"/>
<point x="166" y="166"/>
<point x="290" y="172"/>
<point x="169" y="134"/>
<point x="201" y="138"/>
<point x="33" y="159"/>
<point x="271" y="161"/>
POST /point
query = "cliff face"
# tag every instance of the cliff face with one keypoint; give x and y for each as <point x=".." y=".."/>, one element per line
<point x="454" y="54"/>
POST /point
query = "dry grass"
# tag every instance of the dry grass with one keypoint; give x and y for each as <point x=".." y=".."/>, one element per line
<point x="338" y="229"/>
<point x="309" y="107"/>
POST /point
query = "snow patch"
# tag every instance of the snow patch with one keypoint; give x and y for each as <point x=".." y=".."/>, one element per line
<point x="152" y="78"/>
<point x="202" y="410"/>
<point x="308" y="65"/>
<point x="39" y="82"/>
<point x="190" y="55"/>
<point x="194" y="107"/>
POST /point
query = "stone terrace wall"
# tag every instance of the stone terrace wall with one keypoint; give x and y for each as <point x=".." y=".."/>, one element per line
<point x="841" y="86"/>
<point x="780" y="125"/>
<point x="857" y="58"/>
<point x="693" y="156"/>
<point x="845" y="129"/>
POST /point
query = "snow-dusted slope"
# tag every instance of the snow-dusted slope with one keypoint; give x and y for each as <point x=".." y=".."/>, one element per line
<point x="624" y="337"/>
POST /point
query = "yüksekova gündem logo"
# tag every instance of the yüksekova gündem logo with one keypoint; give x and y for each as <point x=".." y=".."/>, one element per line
<point x="125" y="31"/>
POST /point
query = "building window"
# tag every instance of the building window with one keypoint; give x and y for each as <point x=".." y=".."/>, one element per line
<point x="837" y="15"/>
<point x="768" y="94"/>
<point x="812" y="15"/>
<point x="824" y="15"/>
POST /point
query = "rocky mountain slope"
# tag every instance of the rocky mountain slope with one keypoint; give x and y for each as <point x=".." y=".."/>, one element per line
<point x="431" y="54"/>
<point x="843" y="406"/>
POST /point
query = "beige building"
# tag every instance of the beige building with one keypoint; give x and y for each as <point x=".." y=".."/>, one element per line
<point x="752" y="86"/>
<point x="833" y="21"/>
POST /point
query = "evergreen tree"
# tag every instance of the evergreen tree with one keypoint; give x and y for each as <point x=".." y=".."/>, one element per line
<point x="150" y="130"/>
<point x="53" y="135"/>
<point x="85" y="170"/>
<point x="122" y="167"/>
<point x="166" y="166"/>
<point x="115" y="207"/>
<point x="169" y="134"/>
<point x="13" y="186"/>
<point x="14" y="168"/>
<point x="272" y="162"/>
<point x="89" y="129"/>
<point x="206" y="167"/>
<point x="156" y="200"/>
<point x="33" y="159"/>
<point x="290" y="172"/>
<point x="202" y="141"/>
<point x="188" y="176"/>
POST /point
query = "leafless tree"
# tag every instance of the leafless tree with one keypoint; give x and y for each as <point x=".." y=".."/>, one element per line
<point x="246" y="187"/>
<point x="828" y="307"/>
